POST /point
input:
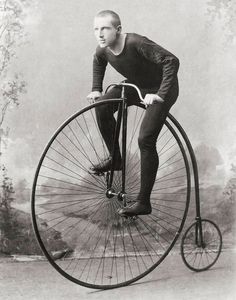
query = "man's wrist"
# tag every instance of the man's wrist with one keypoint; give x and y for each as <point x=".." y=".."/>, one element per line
<point x="97" y="90"/>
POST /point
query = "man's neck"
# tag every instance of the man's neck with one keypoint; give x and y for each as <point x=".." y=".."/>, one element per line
<point x="118" y="46"/>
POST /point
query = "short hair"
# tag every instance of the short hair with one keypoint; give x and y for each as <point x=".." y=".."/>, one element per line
<point x="115" y="17"/>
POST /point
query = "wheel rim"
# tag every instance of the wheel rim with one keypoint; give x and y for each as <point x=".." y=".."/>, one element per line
<point x="201" y="257"/>
<point x="70" y="209"/>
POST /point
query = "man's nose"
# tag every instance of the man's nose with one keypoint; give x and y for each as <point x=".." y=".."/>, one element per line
<point x="100" y="33"/>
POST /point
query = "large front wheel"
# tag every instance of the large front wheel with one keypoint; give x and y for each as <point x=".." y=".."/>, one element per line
<point x="76" y="220"/>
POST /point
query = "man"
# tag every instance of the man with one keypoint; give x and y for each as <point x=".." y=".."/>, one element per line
<point x="154" y="70"/>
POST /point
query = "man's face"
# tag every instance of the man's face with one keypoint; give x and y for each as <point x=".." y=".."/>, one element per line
<point x="105" y="32"/>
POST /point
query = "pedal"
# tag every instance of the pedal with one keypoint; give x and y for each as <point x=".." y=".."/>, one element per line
<point x="134" y="217"/>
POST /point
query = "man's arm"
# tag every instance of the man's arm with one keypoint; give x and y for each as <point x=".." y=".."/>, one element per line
<point x="167" y="61"/>
<point x="99" y="68"/>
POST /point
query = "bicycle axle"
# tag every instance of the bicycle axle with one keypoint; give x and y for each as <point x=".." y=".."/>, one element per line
<point x="110" y="193"/>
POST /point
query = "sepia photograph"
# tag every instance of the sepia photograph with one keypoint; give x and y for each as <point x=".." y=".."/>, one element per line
<point x="117" y="149"/>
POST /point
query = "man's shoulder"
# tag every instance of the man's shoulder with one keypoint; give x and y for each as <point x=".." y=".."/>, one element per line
<point x="138" y="41"/>
<point x="134" y="38"/>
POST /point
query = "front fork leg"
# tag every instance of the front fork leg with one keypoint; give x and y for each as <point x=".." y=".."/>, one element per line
<point x="110" y="174"/>
<point x="122" y="116"/>
<point x="124" y="141"/>
<point x="199" y="233"/>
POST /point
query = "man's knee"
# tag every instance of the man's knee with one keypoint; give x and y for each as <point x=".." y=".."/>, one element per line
<point x="146" y="142"/>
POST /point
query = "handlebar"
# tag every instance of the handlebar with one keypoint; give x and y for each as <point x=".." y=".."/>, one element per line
<point x="135" y="87"/>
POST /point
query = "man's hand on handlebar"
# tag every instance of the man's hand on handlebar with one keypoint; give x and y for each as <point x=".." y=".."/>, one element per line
<point x="148" y="99"/>
<point x="152" y="99"/>
<point x="93" y="96"/>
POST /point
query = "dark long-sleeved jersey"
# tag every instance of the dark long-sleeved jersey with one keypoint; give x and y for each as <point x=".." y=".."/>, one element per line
<point x="141" y="61"/>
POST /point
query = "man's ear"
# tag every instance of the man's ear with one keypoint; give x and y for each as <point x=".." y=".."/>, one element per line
<point x="119" y="29"/>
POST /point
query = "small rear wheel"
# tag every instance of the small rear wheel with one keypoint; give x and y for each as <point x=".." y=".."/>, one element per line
<point x="197" y="255"/>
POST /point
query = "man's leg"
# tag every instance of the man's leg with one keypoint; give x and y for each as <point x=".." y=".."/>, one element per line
<point x="107" y="124"/>
<point x="150" y="128"/>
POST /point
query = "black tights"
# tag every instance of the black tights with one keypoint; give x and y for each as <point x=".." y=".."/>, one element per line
<point x="151" y="126"/>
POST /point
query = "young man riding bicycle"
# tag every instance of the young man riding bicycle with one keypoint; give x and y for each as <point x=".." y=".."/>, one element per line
<point x="154" y="70"/>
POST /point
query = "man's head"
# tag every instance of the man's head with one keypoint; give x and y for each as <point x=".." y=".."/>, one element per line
<point x="107" y="28"/>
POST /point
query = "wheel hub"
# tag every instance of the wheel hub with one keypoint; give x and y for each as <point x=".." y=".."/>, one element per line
<point x="110" y="193"/>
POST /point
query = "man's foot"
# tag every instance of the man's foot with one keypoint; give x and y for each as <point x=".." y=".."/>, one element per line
<point x="137" y="208"/>
<point x="105" y="166"/>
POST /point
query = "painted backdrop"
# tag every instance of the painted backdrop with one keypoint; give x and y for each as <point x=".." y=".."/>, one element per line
<point x="56" y="64"/>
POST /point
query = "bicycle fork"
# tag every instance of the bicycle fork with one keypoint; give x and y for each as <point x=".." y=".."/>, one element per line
<point x="121" y="119"/>
<point x="198" y="226"/>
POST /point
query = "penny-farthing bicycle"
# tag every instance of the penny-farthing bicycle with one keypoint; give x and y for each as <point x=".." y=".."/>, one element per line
<point x="74" y="211"/>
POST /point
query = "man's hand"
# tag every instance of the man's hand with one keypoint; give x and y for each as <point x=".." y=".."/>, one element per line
<point x="93" y="96"/>
<point x="152" y="98"/>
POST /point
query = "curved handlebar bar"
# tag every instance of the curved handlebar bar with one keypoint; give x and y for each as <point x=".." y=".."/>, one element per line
<point x="135" y="87"/>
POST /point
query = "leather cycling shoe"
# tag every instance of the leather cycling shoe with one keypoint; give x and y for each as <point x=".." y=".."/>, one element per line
<point x="105" y="166"/>
<point x="137" y="208"/>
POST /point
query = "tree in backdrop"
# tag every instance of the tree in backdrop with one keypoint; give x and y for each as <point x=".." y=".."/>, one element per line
<point x="12" y="85"/>
<point x="228" y="205"/>
<point x="226" y="11"/>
